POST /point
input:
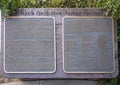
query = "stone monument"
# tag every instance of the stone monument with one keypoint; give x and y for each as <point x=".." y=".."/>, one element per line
<point x="59" y="43"/>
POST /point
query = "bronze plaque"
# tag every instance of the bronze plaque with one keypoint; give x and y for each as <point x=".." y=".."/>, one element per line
<point x="88" y="45"/>
<point x="30" y="45"/>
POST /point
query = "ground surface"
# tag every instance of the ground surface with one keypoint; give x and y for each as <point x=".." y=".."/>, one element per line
<point x="54" y="82"/>
<point x="7" y="80"/>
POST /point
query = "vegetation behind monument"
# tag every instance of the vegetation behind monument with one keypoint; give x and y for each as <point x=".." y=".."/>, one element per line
<point x="8" y="8"/>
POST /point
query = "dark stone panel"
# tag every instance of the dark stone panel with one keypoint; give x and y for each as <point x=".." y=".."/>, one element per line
<point x="100" y="33"/>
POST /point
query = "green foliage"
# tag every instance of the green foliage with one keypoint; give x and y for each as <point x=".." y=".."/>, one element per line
<point x="114" y="81"/>
<point x="8" y="7"/>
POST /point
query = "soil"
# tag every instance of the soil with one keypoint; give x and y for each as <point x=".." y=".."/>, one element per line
<point x="7" y="80"/>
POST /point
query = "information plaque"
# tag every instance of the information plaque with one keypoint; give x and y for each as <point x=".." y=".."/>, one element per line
<point x="29" y="45"/>
<point x="88" y="45"/>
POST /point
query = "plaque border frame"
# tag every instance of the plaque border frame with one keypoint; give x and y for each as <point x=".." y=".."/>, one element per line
<point x="55" y="62"/>
<point x="113" y="41"/>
